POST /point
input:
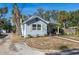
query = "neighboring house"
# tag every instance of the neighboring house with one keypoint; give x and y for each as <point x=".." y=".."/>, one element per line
<point x="71" y="30"/>
<point x="34" y="26"/>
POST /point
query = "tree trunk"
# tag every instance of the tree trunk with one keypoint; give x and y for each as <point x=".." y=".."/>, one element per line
<point x="18" y="27"/>
<point x="17" y="18"/>
<point x="18" y="30"/>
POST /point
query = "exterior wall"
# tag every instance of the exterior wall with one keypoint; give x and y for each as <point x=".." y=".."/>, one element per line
<point x="28" y="29"/>
<point x="70" y="31"/>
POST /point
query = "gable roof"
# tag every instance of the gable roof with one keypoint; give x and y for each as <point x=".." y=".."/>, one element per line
<point x="32" y="17"/>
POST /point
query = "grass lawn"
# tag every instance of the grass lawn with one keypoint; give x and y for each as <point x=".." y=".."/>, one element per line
<point x="50" y="43"/>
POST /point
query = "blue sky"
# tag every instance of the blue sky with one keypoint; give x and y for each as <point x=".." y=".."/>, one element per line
<point x="30" y="8"/>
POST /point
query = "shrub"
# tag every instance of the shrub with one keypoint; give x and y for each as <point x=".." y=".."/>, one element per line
<point x="45" y="35"/>
<point x="29" y="36"/>
<point x="37" y="35"/>
<point x="63" y="47"/>
<point x="13" y="29"/>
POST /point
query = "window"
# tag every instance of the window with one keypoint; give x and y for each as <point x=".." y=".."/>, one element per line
<point x="34" y="27"/>
<point x="38" y="26"/>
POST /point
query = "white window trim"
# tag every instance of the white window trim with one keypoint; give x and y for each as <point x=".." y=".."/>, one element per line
<point x="37" y="27"/>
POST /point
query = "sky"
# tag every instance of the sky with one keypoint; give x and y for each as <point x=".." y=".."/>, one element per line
<point x="30" y="8"/>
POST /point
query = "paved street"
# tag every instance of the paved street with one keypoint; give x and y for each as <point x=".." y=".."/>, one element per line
<point x="65" y="52"/>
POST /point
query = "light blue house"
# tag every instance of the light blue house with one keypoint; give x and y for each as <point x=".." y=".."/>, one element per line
<point x="34" y="26"/>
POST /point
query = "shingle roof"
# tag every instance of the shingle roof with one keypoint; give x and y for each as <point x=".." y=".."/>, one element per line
<point x="32" y="17"/>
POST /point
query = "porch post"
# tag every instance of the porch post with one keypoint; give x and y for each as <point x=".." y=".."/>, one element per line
<point x="58" y="28"/>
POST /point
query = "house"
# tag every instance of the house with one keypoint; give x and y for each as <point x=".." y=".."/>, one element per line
<point x="71" y="30"/>
<point x="34" y="26"/>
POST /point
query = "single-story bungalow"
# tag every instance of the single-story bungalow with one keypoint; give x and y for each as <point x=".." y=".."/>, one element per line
<point x="34" y="26"/>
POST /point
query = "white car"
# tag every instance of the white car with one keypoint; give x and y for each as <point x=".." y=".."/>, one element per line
<point x="2" y="31"/>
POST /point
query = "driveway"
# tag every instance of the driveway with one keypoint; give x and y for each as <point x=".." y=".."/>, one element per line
<point x="7" y="48"/>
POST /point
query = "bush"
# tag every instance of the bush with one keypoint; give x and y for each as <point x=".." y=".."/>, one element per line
<point x="64" y="47"/>
<point x="29" y="36"/>
<point x="45" y="35"/>
<point x="13" y="29"/>
<point x="37" y="35"/>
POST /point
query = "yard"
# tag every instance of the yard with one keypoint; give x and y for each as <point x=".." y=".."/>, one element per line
<point x="50" y="43"/>
<point x="34" y="45"/>
<point x="74" y="37"/>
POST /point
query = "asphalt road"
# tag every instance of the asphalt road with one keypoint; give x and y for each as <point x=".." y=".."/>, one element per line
<point x="65" y="52"/>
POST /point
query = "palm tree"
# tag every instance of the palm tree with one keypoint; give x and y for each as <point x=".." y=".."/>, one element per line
<point x="24" y="17"/>
<point x="17" y="18"/>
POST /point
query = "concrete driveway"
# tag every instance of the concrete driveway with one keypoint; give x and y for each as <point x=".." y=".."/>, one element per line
<point x="7" y="48"/>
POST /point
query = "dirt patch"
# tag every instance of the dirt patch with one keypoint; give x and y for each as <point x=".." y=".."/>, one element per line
<point x="15" y="38"/>
<point x="50" y="43"/>
<point x="73" y="37"/>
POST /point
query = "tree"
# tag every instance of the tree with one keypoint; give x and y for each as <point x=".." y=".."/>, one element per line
<point x="40" y="12"/>
<point x="76" y="17"/>
<point x="63" y="17"/>
<point x="3" y="11"/>
<point x="46" y="15"/>
<point x="24" y="17"/>
<point x="17" y="18"/>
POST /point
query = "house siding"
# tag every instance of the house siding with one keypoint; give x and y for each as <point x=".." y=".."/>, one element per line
<point x="41" y="32"/>
<point x="28" y="29"/>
